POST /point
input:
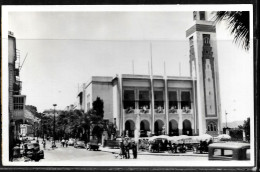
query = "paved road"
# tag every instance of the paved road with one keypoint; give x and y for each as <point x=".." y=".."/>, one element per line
<point x="72" y="154"/>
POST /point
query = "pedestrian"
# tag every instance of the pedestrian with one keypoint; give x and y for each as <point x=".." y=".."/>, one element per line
<point x="134" y="149"/>
<point x="66" y="142"/>
<point x="53" y="144"/>
<point x="166" y="145"/>
<point x="122" y="150"/>
<point x="44" y="144"/>
<point x="62" y="142"/>
<point x="170" y="145"/>
<point x="127" y="147"/>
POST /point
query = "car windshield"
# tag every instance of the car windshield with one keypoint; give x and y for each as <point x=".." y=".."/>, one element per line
<point x="80" y="142"/>
<point x="31" y="146"/>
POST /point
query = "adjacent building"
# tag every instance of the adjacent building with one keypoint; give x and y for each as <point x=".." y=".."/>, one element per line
<point x="16" y="101"/>
<point x="153" y="105"/>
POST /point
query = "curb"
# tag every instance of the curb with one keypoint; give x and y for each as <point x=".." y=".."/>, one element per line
<point x="160" y="154"/>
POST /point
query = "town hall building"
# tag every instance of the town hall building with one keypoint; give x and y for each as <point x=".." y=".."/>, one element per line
<point x="146" y="105"/>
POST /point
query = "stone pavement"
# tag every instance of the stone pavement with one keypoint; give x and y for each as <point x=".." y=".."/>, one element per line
<point x="188" y="153"/>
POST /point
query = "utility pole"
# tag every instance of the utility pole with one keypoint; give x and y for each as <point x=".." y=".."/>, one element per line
<point x="54" y="105"/>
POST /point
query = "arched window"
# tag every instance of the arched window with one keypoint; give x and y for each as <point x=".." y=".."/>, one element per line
<point x="206" y="40"/>
<point x="212" y="126"/>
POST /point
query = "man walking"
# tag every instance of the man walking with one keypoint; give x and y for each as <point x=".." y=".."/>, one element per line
<point x="134" y="149"/>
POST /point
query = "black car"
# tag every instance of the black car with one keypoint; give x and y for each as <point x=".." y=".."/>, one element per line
<point x="79" y="144"/>
<point x="32" y="151"/>
<point x="93" y="145"/>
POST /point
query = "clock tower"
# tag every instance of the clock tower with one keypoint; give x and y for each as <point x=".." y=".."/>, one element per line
<point x="204" y="67"/>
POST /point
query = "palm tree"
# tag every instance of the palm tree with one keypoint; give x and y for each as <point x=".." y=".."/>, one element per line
<point x="238" y="24"/>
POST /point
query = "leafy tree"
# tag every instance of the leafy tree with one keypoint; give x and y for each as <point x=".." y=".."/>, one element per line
<point x="97" y="112"/>
<point x="62" y="123"/>
<point x="246" y="128"/>
<point x="238" y="24"/>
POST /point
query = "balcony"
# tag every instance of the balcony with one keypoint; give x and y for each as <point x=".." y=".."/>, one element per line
<point x="17" y="87"/>
<point x="16" y="71"/>
<point x="186" y="110"/>
<point x="173" y="110"/>
<point x="159" y="110"/>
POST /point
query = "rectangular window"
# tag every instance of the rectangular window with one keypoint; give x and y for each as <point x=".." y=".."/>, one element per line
<point x="158" y="101"/>
<point x="129" y="99"/>
<point x="185" y="100"/>
<point x="18" y="103"/>
<point x="173" y="101"/>
<point x="202" y="15"/>
<point x="144" y="99"/>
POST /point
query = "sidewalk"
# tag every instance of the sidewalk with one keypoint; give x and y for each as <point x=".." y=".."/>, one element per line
<point x="116" y="151"/>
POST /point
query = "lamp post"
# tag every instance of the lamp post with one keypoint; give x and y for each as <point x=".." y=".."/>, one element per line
<point x="54" y="105"/>
<point x="226" y="118"/>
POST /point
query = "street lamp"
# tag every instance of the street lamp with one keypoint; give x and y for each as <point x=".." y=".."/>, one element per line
<point x="226" y="118"/>
<point x="54" y="105"/>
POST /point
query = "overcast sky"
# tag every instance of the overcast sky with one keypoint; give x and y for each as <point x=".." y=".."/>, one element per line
<point x="66" y="48"/>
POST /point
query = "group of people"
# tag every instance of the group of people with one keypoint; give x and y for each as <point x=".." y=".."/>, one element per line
<point x="162" y="145"/>
<point x="64" y="143"/>
<point x="144" y="109"/>
<point x="125" y="146"/>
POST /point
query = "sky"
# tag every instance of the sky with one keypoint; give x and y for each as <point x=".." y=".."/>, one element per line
<point x="66" y="48"/>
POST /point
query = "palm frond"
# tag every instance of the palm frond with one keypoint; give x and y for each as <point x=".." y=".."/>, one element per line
<point x="238" y="24"/>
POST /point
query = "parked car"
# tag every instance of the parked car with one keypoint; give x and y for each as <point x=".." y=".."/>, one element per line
<point x="71" y="142"/>
<point x="79" y="144"/>
<point x="93" y="145"/>
<point x="32" y="151"/>
<point x="229" y="151"/>
<point x="182" y="148"/>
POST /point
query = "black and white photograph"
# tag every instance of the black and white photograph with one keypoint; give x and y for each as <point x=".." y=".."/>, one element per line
<point x="150" y="85"/>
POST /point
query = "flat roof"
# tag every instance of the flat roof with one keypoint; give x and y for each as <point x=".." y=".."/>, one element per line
<point x="136" y="76"/>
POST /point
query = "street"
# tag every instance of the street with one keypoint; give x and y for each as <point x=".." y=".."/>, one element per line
<point x="73" y="154"/>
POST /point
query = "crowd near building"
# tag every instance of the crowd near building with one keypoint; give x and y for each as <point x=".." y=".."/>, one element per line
<point x="144" y="105"/>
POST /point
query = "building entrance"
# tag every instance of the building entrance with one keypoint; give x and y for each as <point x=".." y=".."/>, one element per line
<point x="173" y="128"/>
<point x="186" y="128"/>
<point x="158" y="127"/>
<point x="144" y="128"/>
<point x="129" y="128"/>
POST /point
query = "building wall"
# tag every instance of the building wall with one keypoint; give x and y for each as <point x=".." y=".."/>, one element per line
<point x="178" y="84"/>
<point x="88" y="93"/>
<point x="11" y="67"/>
<point x="105" y="92"/>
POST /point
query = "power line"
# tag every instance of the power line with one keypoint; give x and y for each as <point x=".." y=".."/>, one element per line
<point x="23" y="61"/>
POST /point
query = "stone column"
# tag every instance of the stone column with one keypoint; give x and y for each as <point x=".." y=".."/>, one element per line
<point x="166" y="106"/>
<point x="180" y="121"/>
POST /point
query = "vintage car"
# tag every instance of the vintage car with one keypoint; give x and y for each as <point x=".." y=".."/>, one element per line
<point x="71" y="142"/>
<point x="79" y="144"/>
<point x="93" y="145"/>
<point x="32" y="151"/>
<point x="229" y="151"/>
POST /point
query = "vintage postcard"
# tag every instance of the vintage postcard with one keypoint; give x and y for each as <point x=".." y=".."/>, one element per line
<point x="150" y="85"/>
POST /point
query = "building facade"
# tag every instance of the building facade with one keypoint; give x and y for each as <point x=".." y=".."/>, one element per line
<point x="143" y="105"/>
<point x="16" y="101"/>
